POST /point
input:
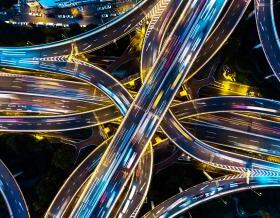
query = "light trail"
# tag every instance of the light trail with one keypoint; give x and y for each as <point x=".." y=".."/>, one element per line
<point x="157" y="105"/>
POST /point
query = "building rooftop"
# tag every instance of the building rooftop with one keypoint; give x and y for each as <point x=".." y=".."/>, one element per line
<point x="63" y="3"/>
<point x="48" y="3"/>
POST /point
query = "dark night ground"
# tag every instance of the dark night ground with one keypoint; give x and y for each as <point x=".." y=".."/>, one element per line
<point x="6" y="4"/>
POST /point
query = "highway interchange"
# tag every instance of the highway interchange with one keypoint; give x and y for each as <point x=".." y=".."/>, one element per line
<point x="125" y="161"/>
